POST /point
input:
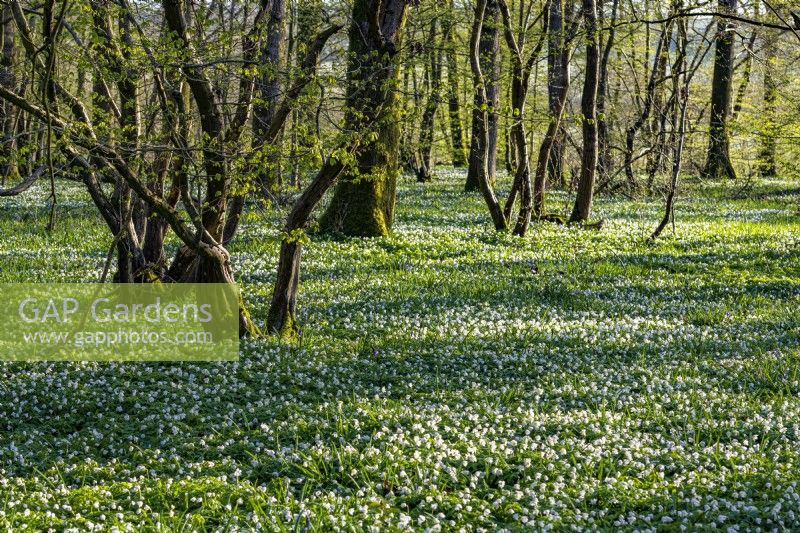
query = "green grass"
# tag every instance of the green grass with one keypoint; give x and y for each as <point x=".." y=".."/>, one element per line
<point x="447" y="377"/>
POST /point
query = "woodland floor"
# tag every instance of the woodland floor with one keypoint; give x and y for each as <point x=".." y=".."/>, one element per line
<point x="447" y="376"/>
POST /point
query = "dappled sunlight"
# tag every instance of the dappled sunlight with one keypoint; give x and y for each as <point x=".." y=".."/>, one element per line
<point x="445" y="374"/>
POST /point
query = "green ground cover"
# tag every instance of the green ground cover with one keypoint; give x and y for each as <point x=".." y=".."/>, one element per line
<point x="446" y="377"/>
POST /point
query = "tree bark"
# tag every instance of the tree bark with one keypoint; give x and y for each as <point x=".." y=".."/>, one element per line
<point x="583" y="201"/>
<point x="768" y="151"/>
<point x="558" y="79"/>
<point x="268" y="89"/>
<point x="281" y="318"/>
<point x="491" y="63"/>
<point x="718" y="163"/>
<point x="8" y="165"/>
<point x="363" y="201"/>
<point x="481" y="106"/>
<point x="604" y="161"/>
<point x="426" y="134"/>
<point x="459" y="154"/>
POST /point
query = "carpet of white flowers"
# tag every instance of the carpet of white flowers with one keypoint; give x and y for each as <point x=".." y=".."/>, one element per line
<point x="447" y="378"/>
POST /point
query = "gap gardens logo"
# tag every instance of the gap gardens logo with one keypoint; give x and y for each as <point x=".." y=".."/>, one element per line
<point x="119" y="322"/>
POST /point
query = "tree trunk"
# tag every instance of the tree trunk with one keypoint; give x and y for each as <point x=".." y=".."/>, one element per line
<point x="681" y="93"/>
<point x="372" y="52"/>
<point x="281" y="318"/>
<point x="718" y="164"/>
<point x="657" y="132"/>
<point x="481" y="99"/>
<point x="546" y="152"/>
<point x="409" y="156"/>
<point x="520" y="82"/>
<point x="309" y="23"/>
<point x="112" y="60"/>
<point x="649" y="97"/>
<point x="205" y="261"/>
<point x="491" y="63"/>
<point x="8" y="165"/>
<point x="459" y="154"/>
<point x="364" y="200"/>
<point x="129" y="147"/>
<point x="522" y="174"/>
<point x="269" y="88"/>
<point x="558" y="78"/>
<point x="583" y="201"/>
<point x="213" y="266"/>
<point x="768" y="151"/>
<point x="426" y="133"/>
<point x="747" y="74"/>
<point x="604" y="161"/>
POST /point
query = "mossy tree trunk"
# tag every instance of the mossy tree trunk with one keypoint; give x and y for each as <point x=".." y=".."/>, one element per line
<point x="768" y="151"/>
<point x="282" y="320"/>
<point x="363" y="201"/>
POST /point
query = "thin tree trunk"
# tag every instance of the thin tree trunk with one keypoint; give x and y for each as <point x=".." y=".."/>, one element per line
<point x="491" y="63"/>
<point x="520" y="82"/>
<point x="604" y="158"/>
<point x="657" y="132"/>
<point x="309" y="23"/>
<point x="630" y="135"/>
<point x="459" y="154"/>
<point x="307" y="69"/>
<point x="281" y="318"/>
<point x="427" y="129"/>
<point x="681" y="93"/>
<point x="583" y="201"/>
<point x="747" y="72"/>
<point x="558" y="80"/>
<point x="269" y="88"/>
<point x="8" y="168"/>
<point x="480" y="138"/>
<point x="522" y="175"/>
<point x="409" y="158"/>
<point x="546" y="152"/>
